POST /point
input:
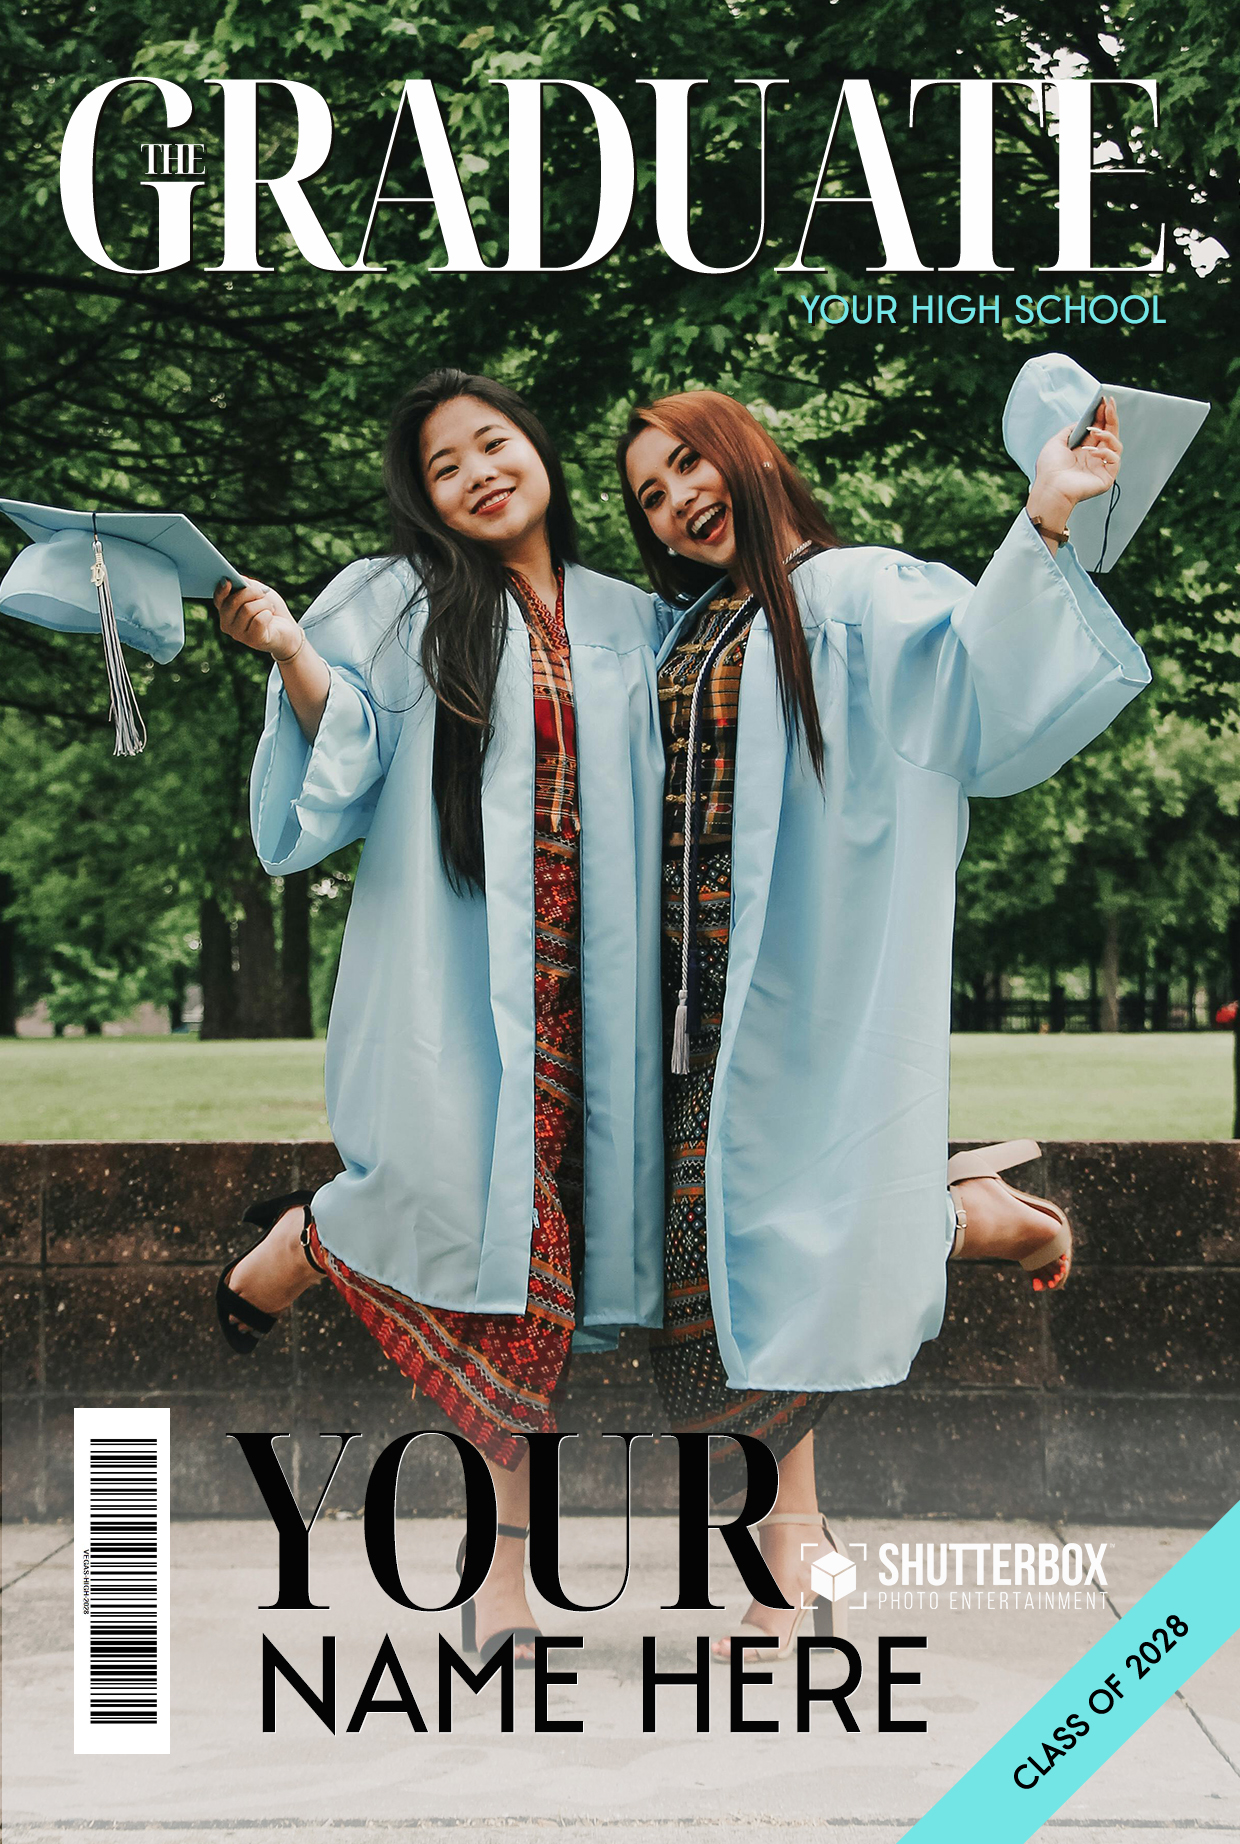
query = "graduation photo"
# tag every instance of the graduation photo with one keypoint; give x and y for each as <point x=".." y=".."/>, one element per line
<point x="620" y="923"/>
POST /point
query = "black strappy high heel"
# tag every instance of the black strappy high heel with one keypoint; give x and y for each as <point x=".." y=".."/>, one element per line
<point x="520" y="1635"/>
<point x="229" y="1305"/>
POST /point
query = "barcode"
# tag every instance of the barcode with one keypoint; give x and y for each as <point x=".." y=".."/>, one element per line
<point x="123" y="1621"/>
<point x="121" y="1582"/>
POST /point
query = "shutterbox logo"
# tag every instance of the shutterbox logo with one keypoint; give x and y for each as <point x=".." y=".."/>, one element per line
<point x="834" y="1577"/>
<point x="995" y="1565"/>
<point x="991" y="1577"/>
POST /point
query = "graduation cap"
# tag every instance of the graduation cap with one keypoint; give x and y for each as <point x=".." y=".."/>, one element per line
<point x="129" y="589"/>
<point x="1155" y="429"/>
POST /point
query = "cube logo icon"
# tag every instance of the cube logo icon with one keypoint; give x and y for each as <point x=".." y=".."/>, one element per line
<point x="833" y="1575"/>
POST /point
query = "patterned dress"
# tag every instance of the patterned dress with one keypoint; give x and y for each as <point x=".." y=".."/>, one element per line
<point x="685" y="1354"/>
<point x="494" y="1374"/>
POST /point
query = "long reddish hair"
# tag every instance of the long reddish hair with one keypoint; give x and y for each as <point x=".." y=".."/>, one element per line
<point x="767" y="494"/>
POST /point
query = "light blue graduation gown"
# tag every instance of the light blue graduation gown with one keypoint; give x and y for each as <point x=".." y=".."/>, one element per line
<point x="827" y="1219"/>
<point x="430" y="1046"/>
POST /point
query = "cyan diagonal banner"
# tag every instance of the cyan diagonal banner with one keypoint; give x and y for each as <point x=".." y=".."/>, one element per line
<point x="1132" y="1670"/>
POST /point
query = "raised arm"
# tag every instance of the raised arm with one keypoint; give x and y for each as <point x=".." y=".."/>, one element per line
<point x="321" y="760"/>
<point x="259" y="618"/>
<point x="996" y="685"/>
<point x="1065" y="476"/>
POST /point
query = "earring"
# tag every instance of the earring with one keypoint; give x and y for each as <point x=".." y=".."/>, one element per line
<point x="671" y="550"/>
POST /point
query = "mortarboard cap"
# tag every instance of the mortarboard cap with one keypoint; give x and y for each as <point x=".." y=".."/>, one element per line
<point x="1155" y="429"/>
<point x="121" y="574"/>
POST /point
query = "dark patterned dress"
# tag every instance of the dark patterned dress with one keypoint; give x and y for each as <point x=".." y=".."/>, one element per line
<point x="685" y="1354"/>
<point x="494" y="1374"/>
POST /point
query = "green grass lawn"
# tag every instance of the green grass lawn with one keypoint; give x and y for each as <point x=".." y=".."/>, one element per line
<point x="173" y="1088"/>
<point x="161" y="1088"/>
<point x="1175" y="1086"/>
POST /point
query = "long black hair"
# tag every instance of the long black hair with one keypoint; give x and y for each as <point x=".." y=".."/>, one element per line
<point x="463" y="584"/>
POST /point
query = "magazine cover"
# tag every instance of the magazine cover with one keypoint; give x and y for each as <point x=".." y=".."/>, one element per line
<point x="620" y="921"/>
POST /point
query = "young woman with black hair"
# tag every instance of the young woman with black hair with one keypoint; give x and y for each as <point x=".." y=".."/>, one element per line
<point x="477" y="707"/>
<point x="825" y="712"/>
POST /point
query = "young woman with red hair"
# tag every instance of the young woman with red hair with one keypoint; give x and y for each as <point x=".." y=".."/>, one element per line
<point x="826" y="711"/>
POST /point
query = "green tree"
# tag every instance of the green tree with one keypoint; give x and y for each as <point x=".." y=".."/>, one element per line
<point x="257" y="403"/>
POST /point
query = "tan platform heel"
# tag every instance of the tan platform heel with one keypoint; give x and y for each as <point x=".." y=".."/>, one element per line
<point x="830" y="1617"/>
<point x="1051" y="1262"/>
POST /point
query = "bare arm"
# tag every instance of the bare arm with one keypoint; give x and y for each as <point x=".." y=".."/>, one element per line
<point x="1066" y="476"/>
<point x="259" y="618"/>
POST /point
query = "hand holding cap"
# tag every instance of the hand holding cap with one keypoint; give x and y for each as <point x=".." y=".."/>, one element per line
<point x="119" y="574"/>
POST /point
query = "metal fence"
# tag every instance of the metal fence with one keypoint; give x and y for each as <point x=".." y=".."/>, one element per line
<point x="1137" y="1012"/>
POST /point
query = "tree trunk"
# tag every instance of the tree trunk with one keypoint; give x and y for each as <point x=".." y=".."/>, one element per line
<point x="1161" y="1014"/>
<point x="1109" y="1011"/>
<point x="1095" y="1016"/>
<point x="176" y="1004"/>
<point x="258" y="972"/>
<point x="1058" y="1007"/>
<point x="295" y="955"/>
<point x="215" y="972"/>
<point x="1190" y="980"/>
<point x="8" y="961"/>
<point x="977" y="1004"/>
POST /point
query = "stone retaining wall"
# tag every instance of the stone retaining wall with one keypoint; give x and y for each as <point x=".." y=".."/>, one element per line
<point x="1117" y="1400"/>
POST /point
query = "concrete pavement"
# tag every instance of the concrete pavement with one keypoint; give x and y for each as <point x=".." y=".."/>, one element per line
<point x="982" y="1668"/>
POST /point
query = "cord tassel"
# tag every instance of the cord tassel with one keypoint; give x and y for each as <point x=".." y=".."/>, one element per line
<point x="123" y="705"/>
<point x="680" y="1037"/>
<point x="1112" y="503"/>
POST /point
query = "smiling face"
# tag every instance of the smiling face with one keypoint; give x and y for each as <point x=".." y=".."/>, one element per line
<point x="684" y="497"/>
<point x="483" y="476"/>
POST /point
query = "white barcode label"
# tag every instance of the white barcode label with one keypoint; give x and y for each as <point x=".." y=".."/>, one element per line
<point x="121" y="1568"/>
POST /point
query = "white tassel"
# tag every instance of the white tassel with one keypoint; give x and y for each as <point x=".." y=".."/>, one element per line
<point x="680" y="1037"/>
<point x="123" y="705"/>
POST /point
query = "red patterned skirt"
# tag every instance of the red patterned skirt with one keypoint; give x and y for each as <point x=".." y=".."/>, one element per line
<point x="493" y="1374"/>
